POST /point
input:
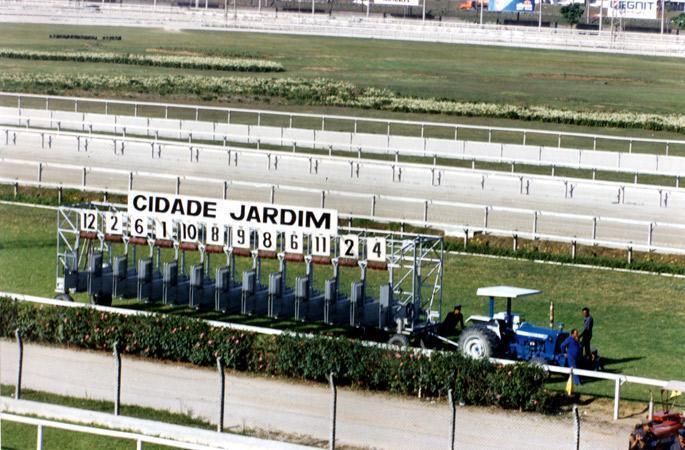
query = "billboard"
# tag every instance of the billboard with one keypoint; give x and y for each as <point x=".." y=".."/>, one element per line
<point x="633" y="9"/>
<point x="511" y="5"/>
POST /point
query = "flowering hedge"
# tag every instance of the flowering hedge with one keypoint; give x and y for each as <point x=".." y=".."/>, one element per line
<point x="180" y="62"/>
<point x="190" y="340"/>
<point x="325" y="92"/>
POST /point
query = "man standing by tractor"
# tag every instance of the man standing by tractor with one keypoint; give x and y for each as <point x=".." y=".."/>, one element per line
<point x="586" y="334"/>
<point x="571" y="347"/>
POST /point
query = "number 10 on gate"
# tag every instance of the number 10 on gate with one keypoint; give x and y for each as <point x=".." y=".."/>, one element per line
<point x="348" y="245"/>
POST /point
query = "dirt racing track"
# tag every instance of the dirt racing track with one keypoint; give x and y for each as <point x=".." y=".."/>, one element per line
<point x="447" y="197"/>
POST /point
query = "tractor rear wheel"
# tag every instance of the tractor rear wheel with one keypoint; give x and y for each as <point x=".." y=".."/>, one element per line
<point x="478" y="342"/>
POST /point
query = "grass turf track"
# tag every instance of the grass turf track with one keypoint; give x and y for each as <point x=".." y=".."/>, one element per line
<point x="560" y="79"/>
<point x="637" y="318"/>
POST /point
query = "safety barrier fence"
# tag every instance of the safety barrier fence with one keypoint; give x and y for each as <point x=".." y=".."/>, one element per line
<point x="139" y="439"/>
<point x="658" y="237"/>
<point x="352" y="25"/>
<point x="618" y="379"/>
<point x="360" y="144"/>
<point x="332" y="122"/>
<point x="334" y="167"/>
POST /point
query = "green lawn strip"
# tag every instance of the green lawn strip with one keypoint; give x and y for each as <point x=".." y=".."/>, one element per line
<point x="634" y="313"/>
<point x="21" y="436"/>
<point x="577" y="80"/>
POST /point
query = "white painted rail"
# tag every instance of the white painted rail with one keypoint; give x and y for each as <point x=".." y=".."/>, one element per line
<point x="359" y="144"/>
<point x="533" y="217"/>
<point x="421" y="129"/>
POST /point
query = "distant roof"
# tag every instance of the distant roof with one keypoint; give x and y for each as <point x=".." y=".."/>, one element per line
<point x="506" y="292"/>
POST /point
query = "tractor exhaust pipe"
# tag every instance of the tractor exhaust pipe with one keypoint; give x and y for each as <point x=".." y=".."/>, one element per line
<point x="551" y="314"/>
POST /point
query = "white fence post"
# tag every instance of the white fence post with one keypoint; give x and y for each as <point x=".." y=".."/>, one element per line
<point x="39" y="437"/>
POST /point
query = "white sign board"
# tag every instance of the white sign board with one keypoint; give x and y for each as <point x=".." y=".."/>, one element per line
<point x="633" y="9"/>
<point x="249" y="215"/>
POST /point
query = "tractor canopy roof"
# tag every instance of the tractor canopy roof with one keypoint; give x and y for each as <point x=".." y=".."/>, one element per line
<point x="506" y="292"/>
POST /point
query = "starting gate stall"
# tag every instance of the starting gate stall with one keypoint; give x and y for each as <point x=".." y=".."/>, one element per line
<point x="112" y="250"/>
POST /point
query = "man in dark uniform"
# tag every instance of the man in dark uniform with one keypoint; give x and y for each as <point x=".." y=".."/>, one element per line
<point x="678" y="440"/>
<point x="453" y="318"/>
<point x="586" y="334"/>
<point x="571" y="347"/>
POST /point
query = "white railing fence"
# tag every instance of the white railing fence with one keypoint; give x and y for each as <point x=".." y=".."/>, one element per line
<point x="360" y="144"/>
<point x="425" y="212"/>
<point x="332" y="122"/>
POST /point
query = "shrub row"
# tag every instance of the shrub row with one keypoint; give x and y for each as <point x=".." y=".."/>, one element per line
<point x="190" y="340"/>
<point x="327" y="93"/>
<point x="180" y="62"/>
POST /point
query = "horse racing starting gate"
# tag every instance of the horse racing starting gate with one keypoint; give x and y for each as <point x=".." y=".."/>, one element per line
<point x="182" y="250"/>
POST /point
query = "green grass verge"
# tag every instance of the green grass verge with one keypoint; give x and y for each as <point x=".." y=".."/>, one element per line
<point x="636" y="315"/>
<point x="20" y="436"/>
<point x="470" y="73"/>
<point x="16" y="436"/>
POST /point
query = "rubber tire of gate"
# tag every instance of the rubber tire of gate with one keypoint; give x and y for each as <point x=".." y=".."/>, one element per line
<point x="101" y="299"/>
<point x="64" y="297"/>
<point x="491" y="342"/>
<point x="400" y="340"/>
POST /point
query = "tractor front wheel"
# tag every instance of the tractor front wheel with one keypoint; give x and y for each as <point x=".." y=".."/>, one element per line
<point x="478" y="342"/>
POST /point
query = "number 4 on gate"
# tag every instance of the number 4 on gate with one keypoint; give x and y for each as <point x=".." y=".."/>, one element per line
<point x="375" y="249"/>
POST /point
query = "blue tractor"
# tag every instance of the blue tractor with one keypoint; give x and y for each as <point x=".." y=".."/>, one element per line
<point x="507" y="335"/>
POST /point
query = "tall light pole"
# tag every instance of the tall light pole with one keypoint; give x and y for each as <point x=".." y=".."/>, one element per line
<point x="481" y="12"/>
<point x="601" y="12"/>
<point x="663" y="8"/>
<point x="423" y="12"/>
<point x="540" y="15"/>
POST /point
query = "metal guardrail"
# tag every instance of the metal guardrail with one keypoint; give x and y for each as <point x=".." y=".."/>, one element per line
<point x="138" y="108"/>
<point x="352" y="142"/>
<point x="618" y="379"/>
